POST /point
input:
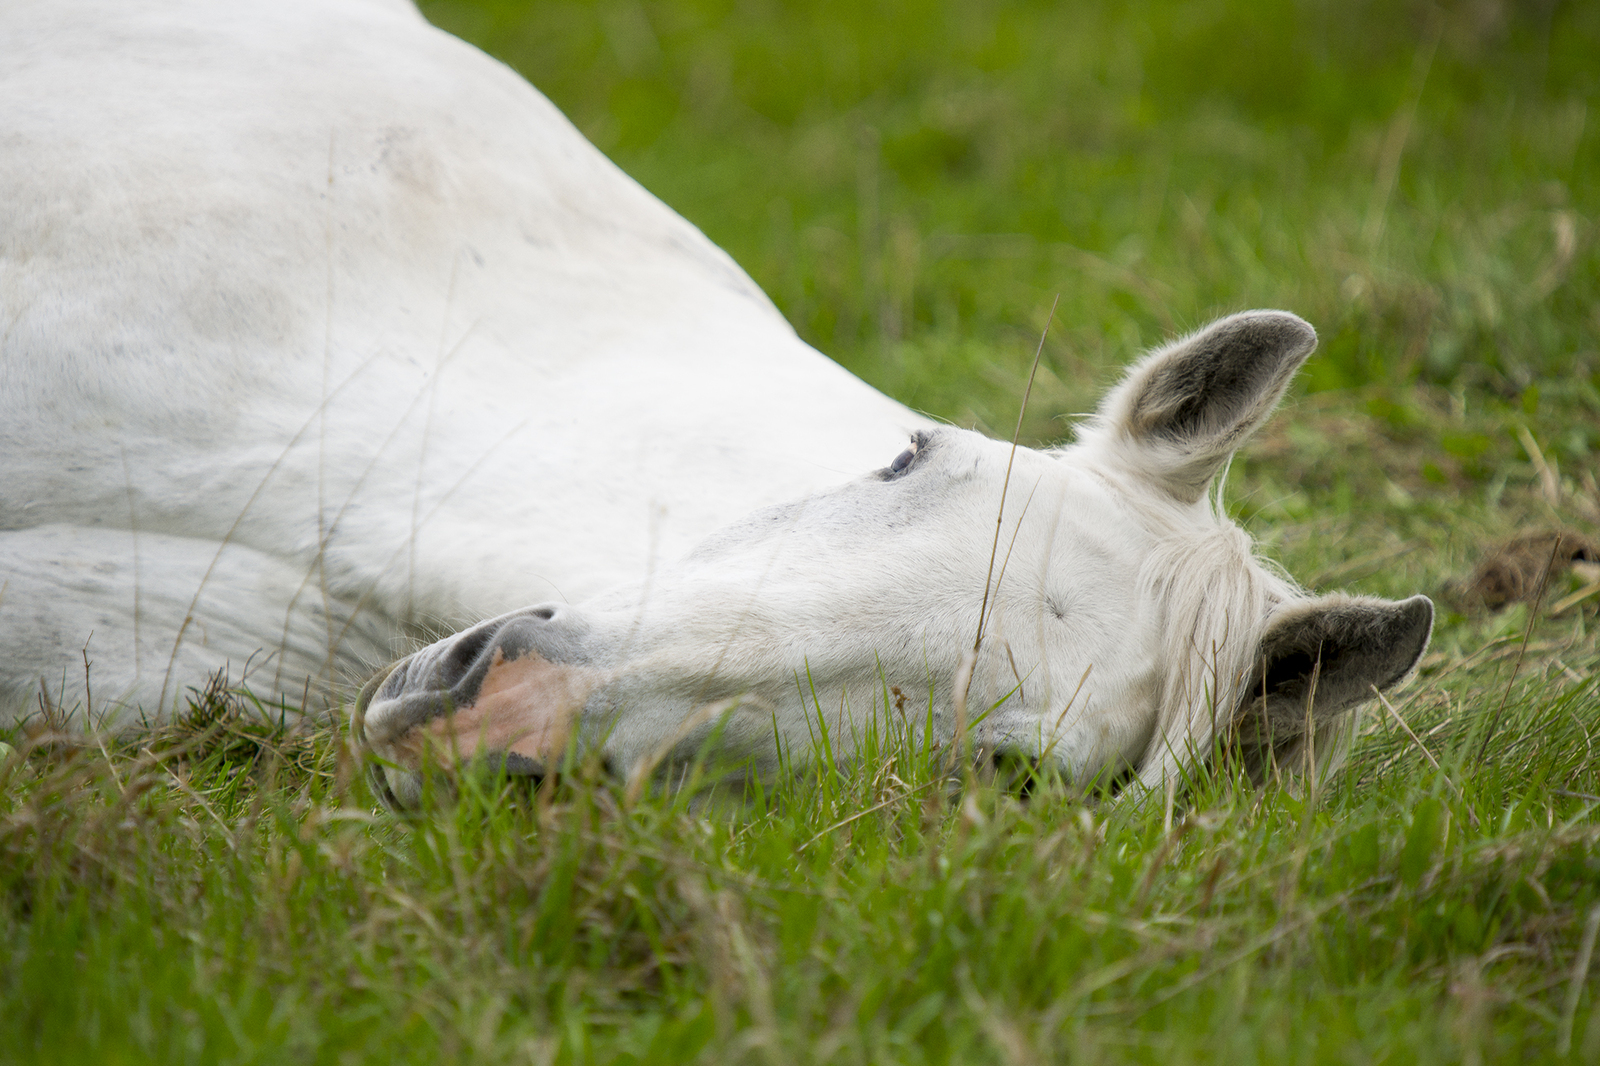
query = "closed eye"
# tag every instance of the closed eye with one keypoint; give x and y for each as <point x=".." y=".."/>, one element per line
<point x="902" y="462"/>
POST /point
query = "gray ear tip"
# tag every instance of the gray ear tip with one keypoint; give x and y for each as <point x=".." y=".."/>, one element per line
<point x="1416" y="623"/>
<point x="1418" y="612"/>
<point x="1287" y="330"/>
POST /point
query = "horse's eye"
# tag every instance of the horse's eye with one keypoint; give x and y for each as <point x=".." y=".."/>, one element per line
<point x="902" y="462"/>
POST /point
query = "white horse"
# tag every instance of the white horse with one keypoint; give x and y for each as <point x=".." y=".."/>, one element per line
<point x="318" y="328"/>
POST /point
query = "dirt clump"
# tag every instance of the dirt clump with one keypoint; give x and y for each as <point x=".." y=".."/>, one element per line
<point x="1524" y="568"/>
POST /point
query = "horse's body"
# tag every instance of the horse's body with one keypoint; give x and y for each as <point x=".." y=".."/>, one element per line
<point x="317" y="326"/>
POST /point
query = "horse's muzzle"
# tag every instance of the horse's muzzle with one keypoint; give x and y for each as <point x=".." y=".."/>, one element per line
<point x="506" y="693"/>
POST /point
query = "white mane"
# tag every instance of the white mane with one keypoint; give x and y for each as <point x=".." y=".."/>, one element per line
<point x="1215" y="597"/>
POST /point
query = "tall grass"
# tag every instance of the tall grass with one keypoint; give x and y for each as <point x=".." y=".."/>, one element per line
<point x="167" y="907"/>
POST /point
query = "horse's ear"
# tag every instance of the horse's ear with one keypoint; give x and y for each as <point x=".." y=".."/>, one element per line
<point x="1317" y="660"/>
<point x="1178" y="414"/>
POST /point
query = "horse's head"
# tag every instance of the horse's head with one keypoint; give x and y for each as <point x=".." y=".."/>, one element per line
<point x="1120" y="620"/>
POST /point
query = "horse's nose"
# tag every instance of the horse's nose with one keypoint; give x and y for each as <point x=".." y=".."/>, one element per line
<point x="505" y="689"/>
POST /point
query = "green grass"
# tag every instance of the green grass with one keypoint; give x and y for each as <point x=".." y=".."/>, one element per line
<point x="914" y="183"/>
<point x="166" y="907"/>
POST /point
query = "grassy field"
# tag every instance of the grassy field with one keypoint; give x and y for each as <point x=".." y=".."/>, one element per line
<point x="914" y="183"/>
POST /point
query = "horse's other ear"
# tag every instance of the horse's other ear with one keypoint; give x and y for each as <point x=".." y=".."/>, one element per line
<point x="1179" y="413"/>
<point x="1317" y="660"/>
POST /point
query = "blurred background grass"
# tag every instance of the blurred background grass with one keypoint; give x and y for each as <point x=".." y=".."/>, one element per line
<point x="914" y="181"/>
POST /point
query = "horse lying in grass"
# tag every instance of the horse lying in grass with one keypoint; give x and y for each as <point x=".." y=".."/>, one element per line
<point x="323" y="329"/>
<point x="1092" y="600"/>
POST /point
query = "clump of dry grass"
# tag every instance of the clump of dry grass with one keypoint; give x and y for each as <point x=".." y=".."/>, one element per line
<point x="227" y="728"/>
